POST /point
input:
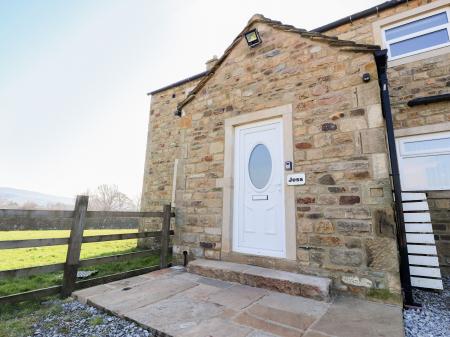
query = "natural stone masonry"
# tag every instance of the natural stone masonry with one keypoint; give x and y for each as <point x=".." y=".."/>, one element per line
<point x="421" y="78"/>
<point x="338" y="138"/>
<point x="407" y="81"/>
<point x="210" y="307"/>
<point x="289" y="283"/>
<point x="213" y="308"/>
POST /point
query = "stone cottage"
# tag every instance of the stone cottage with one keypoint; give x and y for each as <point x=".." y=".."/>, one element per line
<point x="279" y="154"/>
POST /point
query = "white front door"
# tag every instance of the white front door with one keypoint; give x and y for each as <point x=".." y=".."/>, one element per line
<point x="258" y="212"/>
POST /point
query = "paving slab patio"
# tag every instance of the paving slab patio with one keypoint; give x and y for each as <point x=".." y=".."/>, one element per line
<point x="173" y="302"/>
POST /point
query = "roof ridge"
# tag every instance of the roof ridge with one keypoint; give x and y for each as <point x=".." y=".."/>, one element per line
<point x="344" y="45"/>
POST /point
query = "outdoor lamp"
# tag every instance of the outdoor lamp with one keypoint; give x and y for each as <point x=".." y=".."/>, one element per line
<point x="252" y="37"/>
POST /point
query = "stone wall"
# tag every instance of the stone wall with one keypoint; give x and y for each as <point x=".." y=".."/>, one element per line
<point x="345" y="227"/>
<point x="407" y="81"/>
<point x="421" y="78"/>
<point x="165" y="143"/>
<point x="439" y="203"/>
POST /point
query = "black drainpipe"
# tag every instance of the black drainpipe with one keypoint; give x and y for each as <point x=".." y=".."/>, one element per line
<point x="381" y="61"/>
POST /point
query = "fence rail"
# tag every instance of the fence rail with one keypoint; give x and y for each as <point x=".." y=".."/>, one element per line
<point x="37" y="213"/>
<point x="14" y="244"/>
<point x="75" y="241"/>
<point x="54" y="290"/>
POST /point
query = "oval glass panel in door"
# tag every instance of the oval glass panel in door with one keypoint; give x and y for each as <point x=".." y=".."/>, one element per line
<point x="260" y="166"/>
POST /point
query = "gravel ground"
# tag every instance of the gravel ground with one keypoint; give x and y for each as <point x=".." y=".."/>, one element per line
<point x="433" y="320"/>
<point x="79" y="320"/>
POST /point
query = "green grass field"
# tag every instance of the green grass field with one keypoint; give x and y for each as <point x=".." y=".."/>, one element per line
<point x="30" y="257"/>
<point x="17" y="320"/>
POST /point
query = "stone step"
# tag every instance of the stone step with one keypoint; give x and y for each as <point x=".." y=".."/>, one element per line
<point x="282" y="281"/>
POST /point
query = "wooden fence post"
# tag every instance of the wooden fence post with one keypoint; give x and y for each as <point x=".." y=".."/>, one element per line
<point x="165" y="236"/>
<point x="74" y="246"/>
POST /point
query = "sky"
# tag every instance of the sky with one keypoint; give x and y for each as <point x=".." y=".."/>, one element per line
<point x="74" y="78"/>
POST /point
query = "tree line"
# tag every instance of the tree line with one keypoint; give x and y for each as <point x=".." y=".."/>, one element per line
<point x="104" y="198"/>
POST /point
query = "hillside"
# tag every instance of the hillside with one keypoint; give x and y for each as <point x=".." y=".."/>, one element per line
<point x="20" y="197"/>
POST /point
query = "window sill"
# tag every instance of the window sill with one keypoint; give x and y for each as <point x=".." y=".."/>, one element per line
<point x="419" y="56"/>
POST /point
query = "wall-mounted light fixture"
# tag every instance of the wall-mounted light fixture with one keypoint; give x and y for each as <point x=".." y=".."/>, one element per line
<point x="366" y="77"/>
<point x="252" y="37"/>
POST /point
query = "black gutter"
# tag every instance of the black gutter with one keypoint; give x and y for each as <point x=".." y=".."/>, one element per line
<point x="360" y="15"/>
<point x="405" y="277"/>
<point x="429" y="99"/>
<point x="340" y="22"/>
<point x="183" y="81"/>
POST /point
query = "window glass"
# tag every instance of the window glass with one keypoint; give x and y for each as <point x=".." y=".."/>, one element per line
<point x="426" y="173"/>
<point x="419" y="42"/>
<point x="260" y="166"/>
<point x="414" y="37"/>
<point x="425" y="146"/>
<point x="425" y="162"/>
<point x="417" y="26"/>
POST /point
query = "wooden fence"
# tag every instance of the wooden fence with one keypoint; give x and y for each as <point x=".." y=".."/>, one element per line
<point x="79" y="216"/>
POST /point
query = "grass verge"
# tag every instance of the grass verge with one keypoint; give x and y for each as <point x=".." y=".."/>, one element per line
<point x="17" y="285"/>
<point x="384" y="296"/>
<point x="16" y="320"/>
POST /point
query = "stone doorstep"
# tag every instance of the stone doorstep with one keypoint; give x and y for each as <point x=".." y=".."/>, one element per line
<point x="285" y="282"/>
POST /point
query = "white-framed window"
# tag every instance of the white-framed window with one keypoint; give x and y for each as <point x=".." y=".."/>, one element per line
<point x="424" y="162"/>
<point x="417" y="35"/>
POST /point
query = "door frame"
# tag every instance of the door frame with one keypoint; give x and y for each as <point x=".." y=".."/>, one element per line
<point x="285" y="113"/>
